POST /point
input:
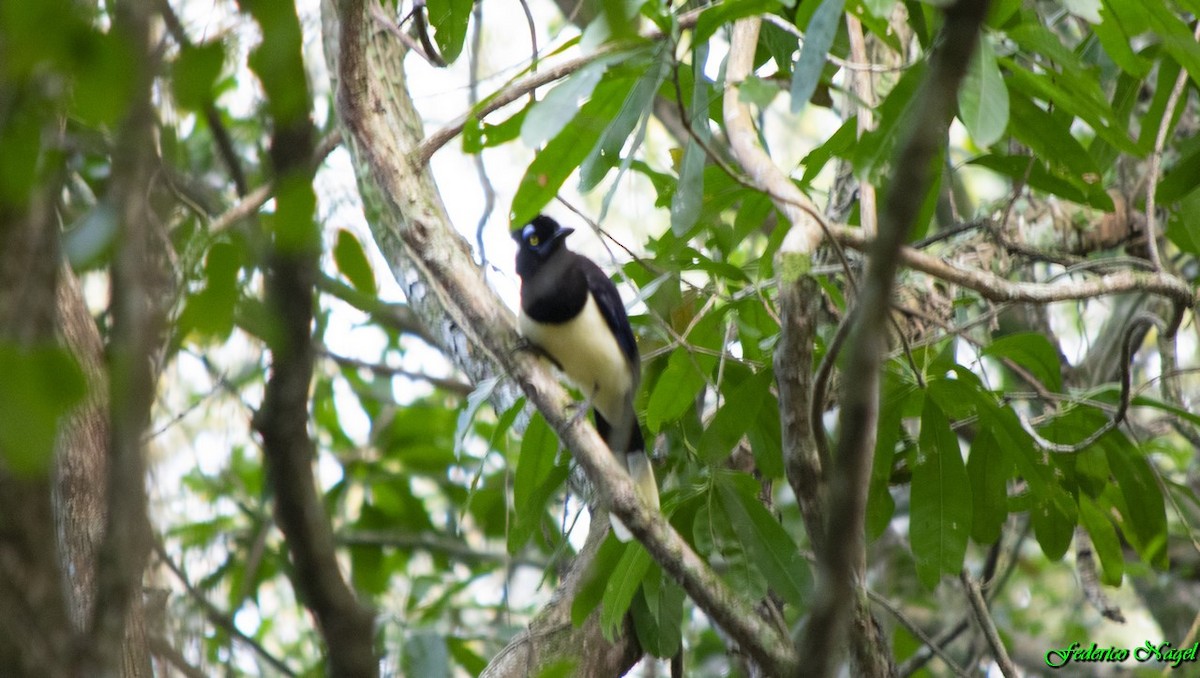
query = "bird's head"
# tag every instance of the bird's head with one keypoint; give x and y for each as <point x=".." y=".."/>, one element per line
<point x="540" y="238"/>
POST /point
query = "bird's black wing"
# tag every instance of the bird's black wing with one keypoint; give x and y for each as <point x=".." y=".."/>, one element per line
<point x="613" y="310"/>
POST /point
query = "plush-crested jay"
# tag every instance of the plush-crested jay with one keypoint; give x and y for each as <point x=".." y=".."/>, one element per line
<point x="573" y="312"/>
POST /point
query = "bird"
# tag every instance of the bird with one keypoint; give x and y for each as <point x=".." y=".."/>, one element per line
<point x="571" y="311"/>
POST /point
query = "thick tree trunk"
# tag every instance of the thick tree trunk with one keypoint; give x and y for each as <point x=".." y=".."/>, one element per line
<point x="36" y="638"/>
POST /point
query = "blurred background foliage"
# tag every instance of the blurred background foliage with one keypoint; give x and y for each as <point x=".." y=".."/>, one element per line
<point x="455" y="520"/>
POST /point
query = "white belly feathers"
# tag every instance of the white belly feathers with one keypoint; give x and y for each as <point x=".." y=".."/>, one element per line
<point x="589" y="354"/>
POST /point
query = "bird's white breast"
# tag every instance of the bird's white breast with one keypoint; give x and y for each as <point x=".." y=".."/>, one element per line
<point x="589" y="354"/>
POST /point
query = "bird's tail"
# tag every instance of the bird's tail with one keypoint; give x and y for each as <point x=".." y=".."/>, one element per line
<point x="644" y="484"/>
<point x="624" y="438"/>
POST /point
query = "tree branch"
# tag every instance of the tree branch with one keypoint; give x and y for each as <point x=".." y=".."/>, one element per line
<point x="212" y="116"/>
<point x="347" y="626"/>
<point x="253" y="201"/>
<point x="138" y="276"/>
<point x="995" y="288"/>
<point x="423" y="151"/>
<point x="1160" y="139"/>
<point x="842" y="565"/>
<point x="443" y="261"/>
<point x="218" y="618"/>
<point x="984" y="619"/>
<point x="808" y="227"/>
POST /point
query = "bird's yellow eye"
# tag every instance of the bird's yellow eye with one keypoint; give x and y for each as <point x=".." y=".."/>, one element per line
<point x="534" y="240"/>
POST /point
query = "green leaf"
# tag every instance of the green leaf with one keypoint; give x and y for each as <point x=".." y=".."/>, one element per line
<point x="103" y="85"/>
<point x="766" y="438"/>
<point x="425" y="654"/>
<point x="1034" y="171"/>
<point x="658" y="614"/>
<point x="1104" y="540"/>
<point x="549" y="116"/>
<point x="1144" y="511"/>
<point x="840" y="144"/>
<point x="1092" y="474"/>
<point x="465" y="655"/>
<point x="537" y="478"/>
<point x="607" y="153"/>
<point x="714" y="537"/>
<point x="880" y="504"/>
<point x="770" y="548"/>
<point x="1053" y="527"/>
<point x="1032" y="464"/>
<point x="1147" y="401"/>
<point x="40" y="386"/>
<point x="940" y="520"/>
<point x="757" y="91"/>
<point x="210" y="312"/>
<point x="675" y="390"/>
<point x="618" y="595"/>
<point x="1001" y="11"/>
<point x="367" y="570"/>
<point x="1117" y="44"/>
<point x="352" y="262"/>
<point x="738" y="413"/>
<point x="874" y="150"/>
<point x="1181" y="180"/>
<point x="880" y="9"/>
<point x="1174" y="33"/>
<point x="818" y="38"/>
<point x="196" y="71"/>
<point x="983" y="97"/>
<point x="551" y="167"/>
<point x="688" y="199"/>
<point x="477" y="136"/>
<point x="1032" y="351"/>
<point x="989" y="468"/>
<point x="562" y="668"/>
<point x="90" y="240"/>
<point x="1050" y="139"/>
<point x="1074" y="95"/>
<point x="449" y="19"/>
<point x="602" y="569"/>
<point x="689" y="195"/>
<point x="718" y="15"/>
<point x="476" y="399"/>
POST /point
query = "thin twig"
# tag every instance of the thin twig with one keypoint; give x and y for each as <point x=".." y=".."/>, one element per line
<point x="861" y="65"/>
<point x="1160" y="141"/>
<point x="1139" y="320"/>
<point x="431" y="52"/>
<point x="984" y="619"/>
<point x="1089" y="577"/>
<point x="217" y="617"/>
<point x="516" y="89"/>
<point x="167" y="652"/>
<point x="485" y="182"/>
<point x="455" y="386"/>
<point x="1188" y="639"/>
<point x="935" y="646"/>
<point x="216" y="125"/>
<point x="533" y="44"/>
<point x="820" y="388"/>
<point x="254" y="201"/>
<point x="864" y="90"/>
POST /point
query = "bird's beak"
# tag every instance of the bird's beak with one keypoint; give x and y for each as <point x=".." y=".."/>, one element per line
<point x="561" y="233"/>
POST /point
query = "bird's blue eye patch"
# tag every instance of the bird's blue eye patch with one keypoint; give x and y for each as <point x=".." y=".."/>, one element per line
<point x="529" y="234"/>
